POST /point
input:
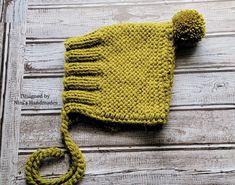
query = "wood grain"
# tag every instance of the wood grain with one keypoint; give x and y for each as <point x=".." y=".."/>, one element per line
<point x="1" y="10"/>
<point x="57" y="22"/>
<point x="212" y="53"/>
<point x="183" y="127"/>
<point x="11" y="114"/>
<point x="15" y="11"/>
<point x="151" y="167"/>
<point x="156" y="178"/>
<point x="212" y="88"/>
<point x="104" y="2"/>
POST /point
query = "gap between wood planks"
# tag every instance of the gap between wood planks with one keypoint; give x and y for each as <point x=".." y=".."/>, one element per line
<point x="3" y="72"/>
<point x="132" y="148"/>
<point x="197" y="166"/>
<point x="60" y="72"/>
<point x="57" y="24"/>
<point x="57" y="111"/>
<point x="32" y="40"/>
<point x="163" y="176"/>
<point x="151" y="165"/>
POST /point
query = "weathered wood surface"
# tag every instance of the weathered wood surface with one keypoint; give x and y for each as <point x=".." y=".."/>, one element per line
<point x="1" y="11"/>
<point x="11" y="112"/>
<point x="212" y="53"/>
<point x="151" y="166"/>
<point x="156" y="178"/>
<point x="184" y="127"/>
<point x="15" y="11"/>
<point x="195" y="147"/>
<point x="190" y="89"/>
<point x="57" y="22"/>
<point x="104" y="2"/>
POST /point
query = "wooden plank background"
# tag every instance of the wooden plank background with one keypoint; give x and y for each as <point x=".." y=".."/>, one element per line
<point x="197" y="146"/>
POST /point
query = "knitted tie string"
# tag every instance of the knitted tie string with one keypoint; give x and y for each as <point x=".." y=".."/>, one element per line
<point x="76" y="168"/>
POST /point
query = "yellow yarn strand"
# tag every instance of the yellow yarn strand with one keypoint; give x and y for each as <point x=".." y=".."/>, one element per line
<point x="76" y="169"/>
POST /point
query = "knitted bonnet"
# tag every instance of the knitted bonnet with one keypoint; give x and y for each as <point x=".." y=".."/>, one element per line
<point x="123" y="74"/>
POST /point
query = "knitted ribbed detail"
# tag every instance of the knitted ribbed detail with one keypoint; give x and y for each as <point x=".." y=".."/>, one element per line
<point x="130" y="65"/>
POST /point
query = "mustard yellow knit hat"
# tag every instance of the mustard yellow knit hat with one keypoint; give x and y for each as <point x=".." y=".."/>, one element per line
<point x="121" y="74"/>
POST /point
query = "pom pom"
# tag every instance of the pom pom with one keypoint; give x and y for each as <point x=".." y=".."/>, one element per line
<point x="188" y="27"/>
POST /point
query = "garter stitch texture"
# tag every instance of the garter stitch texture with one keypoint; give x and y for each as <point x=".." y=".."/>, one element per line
<point x="121" y="73"/>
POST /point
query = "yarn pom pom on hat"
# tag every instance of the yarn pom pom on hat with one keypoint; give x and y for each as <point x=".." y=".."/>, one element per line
<point x="120" y="74"/>
<point x="188" y="27"/>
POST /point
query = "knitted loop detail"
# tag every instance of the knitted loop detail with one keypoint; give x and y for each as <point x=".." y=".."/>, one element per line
<point x="90" y="40"/>
<point x="77" y="166"/>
